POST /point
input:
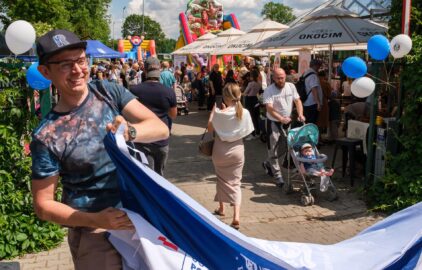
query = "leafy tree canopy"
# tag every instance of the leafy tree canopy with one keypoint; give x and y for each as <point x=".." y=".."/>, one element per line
<point x="132" y="26"/>
<point x="166" y="46"/>
<point x="88" y="19"/>
<point x="278" y="12"/>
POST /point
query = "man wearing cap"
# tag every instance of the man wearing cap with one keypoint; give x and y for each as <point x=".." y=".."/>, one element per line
<point x="162" y="101"/>
<point x="68" y="144"/>
<point x="278" y="99"/>
<point x="313" y="103"/>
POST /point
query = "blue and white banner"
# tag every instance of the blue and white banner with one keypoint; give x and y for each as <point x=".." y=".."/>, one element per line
<point x="173" y="231"/>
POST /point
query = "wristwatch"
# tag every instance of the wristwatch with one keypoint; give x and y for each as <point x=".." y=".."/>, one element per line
<point x="131" y="132"/>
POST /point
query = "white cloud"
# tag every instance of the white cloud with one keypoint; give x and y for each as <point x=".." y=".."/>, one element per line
<point x="164" y="12"/>
<point x="249" y="4"/>
<point x="248" y="19"/>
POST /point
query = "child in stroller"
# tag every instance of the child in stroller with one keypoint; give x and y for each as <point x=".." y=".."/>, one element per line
<point x="309" y="162"/>
<point x="313" y="168"/>
<point x="181" y="100"/>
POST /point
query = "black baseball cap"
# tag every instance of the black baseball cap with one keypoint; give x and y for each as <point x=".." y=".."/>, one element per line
<point x="56" y="41"/>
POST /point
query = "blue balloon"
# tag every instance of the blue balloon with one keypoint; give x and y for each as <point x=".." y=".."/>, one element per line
<point x="35" y="79"/>
<point x="378" y="47"/>
<point x="354" y="67"/>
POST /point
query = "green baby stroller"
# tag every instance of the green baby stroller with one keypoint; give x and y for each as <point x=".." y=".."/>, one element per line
<point x="296" y="138"/>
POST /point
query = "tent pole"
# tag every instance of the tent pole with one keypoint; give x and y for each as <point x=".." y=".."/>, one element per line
<point x="330" y="63"/>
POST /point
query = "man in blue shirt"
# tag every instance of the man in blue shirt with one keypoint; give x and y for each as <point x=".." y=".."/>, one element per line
<point x="166" y="77"/>
<point x="68" y="145"/>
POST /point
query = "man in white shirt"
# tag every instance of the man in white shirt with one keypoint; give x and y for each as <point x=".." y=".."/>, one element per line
<point x="313" y="103"/>
<point x="279" y="98"/>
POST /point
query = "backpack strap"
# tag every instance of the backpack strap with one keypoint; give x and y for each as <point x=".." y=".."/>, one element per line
<point x="304" y="78"/>
<point x="103" y="95"/>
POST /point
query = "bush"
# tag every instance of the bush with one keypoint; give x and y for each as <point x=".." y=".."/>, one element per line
<point x="20" y="230"/>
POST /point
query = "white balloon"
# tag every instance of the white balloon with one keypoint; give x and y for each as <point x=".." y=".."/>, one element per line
<point x="400" y="45"/>
<point x="362" y="87"/>
<point x="20" y="36"/>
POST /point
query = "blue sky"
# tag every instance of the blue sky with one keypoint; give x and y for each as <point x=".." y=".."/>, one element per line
<point x="166" y="12"/>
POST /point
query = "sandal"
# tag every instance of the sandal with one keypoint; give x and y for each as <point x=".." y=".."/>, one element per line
<point x="235" y="225"/>
<point x="218" y="213"/>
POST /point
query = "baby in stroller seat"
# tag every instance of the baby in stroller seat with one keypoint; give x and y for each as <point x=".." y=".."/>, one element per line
<point x="314" y="168"/>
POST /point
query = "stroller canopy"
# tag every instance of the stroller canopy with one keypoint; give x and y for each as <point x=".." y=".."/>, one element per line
<point x="308" y="133"/>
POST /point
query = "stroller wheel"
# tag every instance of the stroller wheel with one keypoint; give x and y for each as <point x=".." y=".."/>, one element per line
<point x="307" y="200"/>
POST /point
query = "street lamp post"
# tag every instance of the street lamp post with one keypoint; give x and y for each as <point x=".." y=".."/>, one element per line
<point x="123" y="13"/>
<point x="143" y="17"/>
<point x="113" y="34"/>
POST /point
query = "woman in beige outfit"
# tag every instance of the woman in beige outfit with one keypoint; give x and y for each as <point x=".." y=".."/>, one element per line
<point x="231" y="123"/>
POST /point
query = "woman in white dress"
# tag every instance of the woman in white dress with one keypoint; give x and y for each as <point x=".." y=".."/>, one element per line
<point x="231" y="123"/>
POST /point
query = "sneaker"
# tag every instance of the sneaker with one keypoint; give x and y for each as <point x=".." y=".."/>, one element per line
<point x="267" y="168"/>
<point x="279" y="182"/>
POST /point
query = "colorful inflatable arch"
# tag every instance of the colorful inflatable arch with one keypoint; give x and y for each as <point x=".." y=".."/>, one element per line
<point x="137" y="48"/>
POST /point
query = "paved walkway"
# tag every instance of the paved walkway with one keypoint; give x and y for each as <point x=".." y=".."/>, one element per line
<point x="267" y="212"/>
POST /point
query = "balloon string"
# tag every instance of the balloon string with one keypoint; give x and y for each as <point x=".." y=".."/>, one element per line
<point x="387" y="83"/>
<point x="391" y="69"/>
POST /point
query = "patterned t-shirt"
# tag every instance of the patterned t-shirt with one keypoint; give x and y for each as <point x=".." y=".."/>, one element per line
<point x="71" y="144"/>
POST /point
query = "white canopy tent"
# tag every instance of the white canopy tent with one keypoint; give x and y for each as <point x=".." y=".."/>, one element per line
<point x="260" y="32"/>
<point x="220" y="41"/>
<point x="194" y="46"/>
<point x="323" y="29"/>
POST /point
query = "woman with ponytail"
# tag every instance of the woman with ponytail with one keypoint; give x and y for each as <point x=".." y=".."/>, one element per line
<point x="231" y="123"/>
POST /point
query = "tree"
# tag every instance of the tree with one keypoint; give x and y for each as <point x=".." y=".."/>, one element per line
<point x="166" y="46"/>
<point x="53" y="12"/>
<point x="132" y="26"/>
<point x="88" y="19"/>
<point x="402" y="184"/>
<point x="278" y="12"/>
